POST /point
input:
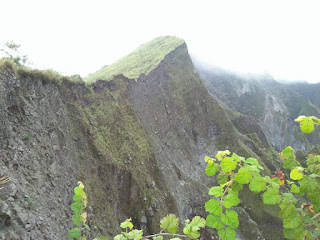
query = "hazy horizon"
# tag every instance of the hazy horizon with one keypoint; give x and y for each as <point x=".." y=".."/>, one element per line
<point x="256" y="37"/>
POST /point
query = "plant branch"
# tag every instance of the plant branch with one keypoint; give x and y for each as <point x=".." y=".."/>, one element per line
<point x="164" y="234"/>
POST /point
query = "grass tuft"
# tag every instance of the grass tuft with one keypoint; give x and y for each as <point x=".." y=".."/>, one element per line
<point x="142" y="60"/>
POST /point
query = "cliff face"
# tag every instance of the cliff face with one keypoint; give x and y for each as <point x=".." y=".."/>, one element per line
<point x="137" y="144"/>
<point x="272" y="105"/>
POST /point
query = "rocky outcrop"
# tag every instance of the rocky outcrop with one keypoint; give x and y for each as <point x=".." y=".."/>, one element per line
<point x="138" y="146"/>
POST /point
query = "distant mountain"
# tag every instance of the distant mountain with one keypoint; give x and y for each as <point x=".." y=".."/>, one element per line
<point x="271" y="104"/>
<point x="310" y="91"/>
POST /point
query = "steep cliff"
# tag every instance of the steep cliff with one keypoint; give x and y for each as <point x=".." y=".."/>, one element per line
<point x="136" y="143"/>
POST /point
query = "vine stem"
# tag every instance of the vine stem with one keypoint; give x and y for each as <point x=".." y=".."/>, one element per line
<point x="315" y="215"/>
<point x="164" y="234"/>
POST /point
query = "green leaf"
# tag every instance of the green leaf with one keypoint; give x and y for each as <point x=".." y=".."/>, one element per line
<point x="78" y="191"/>
<point x="120" y="237"/>
<point x="227" y="234"/>
<point x="198" y="222"/>
<point x="231" y="199"/>
<point x="230" y="218"/>
<point x="253" y="161"/>
<point x="294" y="189"/>
<point x="287" y="152"/>
<point x="243" y="176"/>
<point x="271" y="196"/>
<point x="77" y="198"/>
<point x="288" y="233"/>
<point x="289" y="197"/>
<point x="77" y="207"/>
<point x="287" y="209"/>
<point x="127" y="224"/>
<point x="216" y="191"/>
<point x="307" y="185"/>
<point x="170" y="223"/>
<point x="295" y="174"/>
<point x="221" y="154"/>
<point x="74" y="233"/>
<point x="228" y="164"/>
<point x="192" y="233"/>
<point x="135" y="234"/>
<point x="157" y="238"/>
<point x="307" y="125"/>
<point x="290" y="163"/>
<point x="213" y="206"/>
<point x="87" y="227"/>
<point x="236" y="186"/>
<point x="222" y="178"/>
<point x="292" y="221"/>
<point x="76" y="219"/>
<point x="237" y="158"/>
<point x="258" y="184"/>
<point x="212" y="169"/>
<point x="214" y="221"/>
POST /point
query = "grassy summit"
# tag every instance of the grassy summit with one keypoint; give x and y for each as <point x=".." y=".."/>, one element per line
<point x="142" y="60"/>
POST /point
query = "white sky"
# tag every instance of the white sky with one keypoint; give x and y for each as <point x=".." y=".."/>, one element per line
<point x="279" y="37"/>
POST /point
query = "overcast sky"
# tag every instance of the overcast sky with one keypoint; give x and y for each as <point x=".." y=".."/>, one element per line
<point x="279" y="37"/>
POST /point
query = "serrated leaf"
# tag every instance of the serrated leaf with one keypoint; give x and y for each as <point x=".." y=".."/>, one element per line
<point x="221" y="154"/>
<point x="295" y="174"/>
<point x="290" y="163"/>
<point x="253" y="162"/>
<point x="231" y="199"/>
<point x="288" y="233"/>
<point x="258" y="184"/>
<point x="212" y="169"/>
<point x="216" y="191"/>
<point x="135" y="234"/>
<point x="127" y="224"/>
<point x="213" y="206"/>
<point x="192" y="233"/>
<point x="222" y="178"/>
<point x="119" y="237"/>
<point x="77" y="198"/>
<point x="209" y="159"/>
<point x="243" y="176"/>
<point x="198" y="222"/>
<point x="289" y="197"/>
<point x="271" y="196"/>
<point x="228" y="164"/>
<point x="74" y="233"/>
<point x="170" y="223"/>
<point x="292" y="221"/>
<point x="294" y="188"/>
<point x="307" y="185"/>
<point x="87" y="226"/>
<point x="81" y="184"/>
<point x="307" y="125"/>
<point x="76" y="219"/>
<point x="237" y="158"/>
<point x="78" y="191"/>
<point x="236" y="186"/>
<point x="287" y="152"/>
<point x="77" y="207"/>
<point x="230" y="218"/>
<point x="214" y="221"/>
<point x="227" y="234"/>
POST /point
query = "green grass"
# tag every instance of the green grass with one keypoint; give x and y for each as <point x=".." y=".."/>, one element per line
<point x="142" y="60"/>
